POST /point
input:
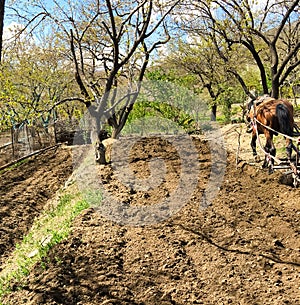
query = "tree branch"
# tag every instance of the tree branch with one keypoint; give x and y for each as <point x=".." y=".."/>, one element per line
<point x="77" y="72"/>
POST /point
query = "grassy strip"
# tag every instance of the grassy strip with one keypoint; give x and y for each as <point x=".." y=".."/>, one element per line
<point x="13" y="166"/>
<point x="49" y="229"/>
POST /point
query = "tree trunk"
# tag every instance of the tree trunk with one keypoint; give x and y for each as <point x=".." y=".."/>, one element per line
<point x="98" y="146"/>
<point x="275" y="91"/>
<point x="213" y="114"/>
<point x="2" y="6"/>
<point x="115" y="133"/>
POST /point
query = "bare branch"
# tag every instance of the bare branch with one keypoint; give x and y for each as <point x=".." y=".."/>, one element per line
<point x="77" y="72"/>
<point x="64" y="101"/>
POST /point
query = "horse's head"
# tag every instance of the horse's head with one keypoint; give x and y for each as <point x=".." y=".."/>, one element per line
<point x="249" y="111"/>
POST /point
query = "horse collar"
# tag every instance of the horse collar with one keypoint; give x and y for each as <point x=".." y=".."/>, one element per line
<point x="262" y="99"/>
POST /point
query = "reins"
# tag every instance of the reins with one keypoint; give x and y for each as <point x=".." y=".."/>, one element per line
<point x="275" y="131"/>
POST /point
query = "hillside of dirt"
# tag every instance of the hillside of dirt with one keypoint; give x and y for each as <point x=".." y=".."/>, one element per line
<point x="244" y="248"/>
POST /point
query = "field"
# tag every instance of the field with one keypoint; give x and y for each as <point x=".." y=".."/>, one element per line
<point x="243" y="248"/>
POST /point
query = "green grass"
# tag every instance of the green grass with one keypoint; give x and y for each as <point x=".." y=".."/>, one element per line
<point x="93" y="197"/>
<point x="12" y="167"/>
<point x="19" y="163"/>
<point x="222" y="119"/>
<point x="50" y="228"/>
<point x="53" y="226"/>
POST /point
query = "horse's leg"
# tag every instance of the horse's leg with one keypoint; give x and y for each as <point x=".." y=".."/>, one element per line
<point x="289" y="149"/>
<point x="253" y="145"/>
<point x="270" y="149"/>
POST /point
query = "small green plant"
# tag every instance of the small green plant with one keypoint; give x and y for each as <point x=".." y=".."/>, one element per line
<point x="15" y="165"/>
<point x="93" y="197"/>
<point x="19" y="163"/>
<point x="63" y="202"/>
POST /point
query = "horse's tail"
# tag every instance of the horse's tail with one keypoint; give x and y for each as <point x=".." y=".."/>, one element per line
<point x="284" y="120"/>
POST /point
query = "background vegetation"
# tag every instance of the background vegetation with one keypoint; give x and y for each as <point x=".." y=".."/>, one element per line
<point x="61" y="58"/>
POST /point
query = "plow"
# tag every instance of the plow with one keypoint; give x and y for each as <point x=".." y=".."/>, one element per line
<point x="270" y="116"/>
<point x="292" y="166"/>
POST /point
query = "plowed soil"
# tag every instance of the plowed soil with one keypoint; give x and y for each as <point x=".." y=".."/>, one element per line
<point x="25" y="190"/>
<point x="244" y="248"/>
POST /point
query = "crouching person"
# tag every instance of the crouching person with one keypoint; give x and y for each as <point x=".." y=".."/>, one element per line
<point x="98" y="147"/>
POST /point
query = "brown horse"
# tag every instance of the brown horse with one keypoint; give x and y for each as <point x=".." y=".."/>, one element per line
<point x="277" y="114"/>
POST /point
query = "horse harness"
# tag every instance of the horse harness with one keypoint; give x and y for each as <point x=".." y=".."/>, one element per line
<point x="253" y="127"/>
<point x="259" y="102"/>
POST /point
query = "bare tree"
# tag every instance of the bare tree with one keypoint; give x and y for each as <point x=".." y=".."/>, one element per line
<point x="199" y="58"/>
<point x="118" y="58"/>
<point x="110" y="43"/>
<point x="270" y="34"/>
